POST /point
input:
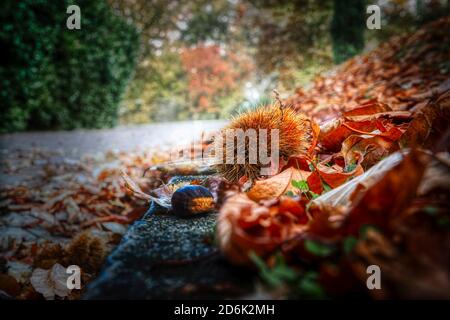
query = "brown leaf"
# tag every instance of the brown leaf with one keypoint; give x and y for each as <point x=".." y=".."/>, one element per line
<point x="369" y="108"/>
<point x="335" y="133"/>
<point x="366" y="151"/>
<point x="429" y="124"/>
<point x="134" y="188"/>
<point x="9" y="285"/>
<point x="334" y="178"/>
<point x="245" y="226"/>
<point x="51" y="283"/>
<point x="385" y="200"/>
<point x="277" y="185"/>
<point x="341" y="196"/>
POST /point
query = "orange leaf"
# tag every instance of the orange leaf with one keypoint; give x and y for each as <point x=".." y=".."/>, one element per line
<point x="335" y="133"/>
<point x="369" y="108"/>
<point x="277" y="185"/>
<point x="335" y="178"/>
<point x="315" y="137"/>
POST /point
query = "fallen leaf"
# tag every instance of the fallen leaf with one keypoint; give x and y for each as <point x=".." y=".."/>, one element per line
<point x="315" y="182"/>
<point x="366" y="151"/>
<point x="9" y="285"/>
<point x="115" y="227"/>
<point x="245" y="226"/>
<point x="277" y="185"/>
<point x="51" y="283"/>
<point x="383" y="202"/>
<point x="19" y="270"/>
<point x="333" y="134"/>
<point x="429" y="124"/>
<point x="341" y="196"/>
<point x="334" y="178"/>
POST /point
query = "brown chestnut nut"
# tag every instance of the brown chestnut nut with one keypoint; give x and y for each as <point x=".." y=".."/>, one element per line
<point x="192" y="200"/>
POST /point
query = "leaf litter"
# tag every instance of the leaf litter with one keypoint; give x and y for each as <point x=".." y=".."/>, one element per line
<point x="375" y="191"/>
<point x="372" y="188"/>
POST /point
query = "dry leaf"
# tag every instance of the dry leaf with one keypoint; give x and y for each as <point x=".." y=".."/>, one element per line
<point x="341" y="196"/>
<point x="51" y="283"/>
<point x="245" y="226"/>
<point x="134" y="188"/>
<point x="277" y="185"/>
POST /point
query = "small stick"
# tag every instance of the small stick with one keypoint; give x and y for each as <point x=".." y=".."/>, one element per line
<point x="277" y="97"/>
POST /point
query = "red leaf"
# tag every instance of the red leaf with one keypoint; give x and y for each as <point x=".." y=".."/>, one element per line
<point x="331" y="139"/>
<point x="315" y="183"/>
<point x="335" y="178"/>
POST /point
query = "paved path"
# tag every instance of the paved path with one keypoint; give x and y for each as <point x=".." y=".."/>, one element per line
<point x="161" y="256"/>
<point x="130" y="138"/>
<point x="74" y="144"/>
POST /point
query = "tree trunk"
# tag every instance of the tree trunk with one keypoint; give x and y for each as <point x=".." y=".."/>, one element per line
<point x="347" y="28"/>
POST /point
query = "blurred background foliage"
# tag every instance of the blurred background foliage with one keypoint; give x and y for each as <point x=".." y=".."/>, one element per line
<point x="140" y="61"/>
<point x="55" y="78"/>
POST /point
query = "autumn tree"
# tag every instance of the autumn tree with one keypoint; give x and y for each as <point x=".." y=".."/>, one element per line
<point x="288" y="42"/>
<point x="288" y="36"/>
<point x="213" y="73"/>
<point x="167" y="27"/>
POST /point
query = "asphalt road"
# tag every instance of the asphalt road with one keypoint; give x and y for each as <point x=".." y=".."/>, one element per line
<point x="130" y="138"/>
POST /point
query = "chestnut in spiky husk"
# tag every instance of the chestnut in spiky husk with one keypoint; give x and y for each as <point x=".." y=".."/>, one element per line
<point x="192" y="200"/>
<point x="295" y="135"/>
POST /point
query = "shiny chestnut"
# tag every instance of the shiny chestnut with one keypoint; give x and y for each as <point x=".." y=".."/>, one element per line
<point x="192" y="200"/>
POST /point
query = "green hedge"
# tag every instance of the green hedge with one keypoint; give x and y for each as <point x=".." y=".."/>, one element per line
<point x="55" y="78"/>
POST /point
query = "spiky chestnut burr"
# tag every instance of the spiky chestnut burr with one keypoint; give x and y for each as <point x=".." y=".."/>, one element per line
<point x="295" y="135"/>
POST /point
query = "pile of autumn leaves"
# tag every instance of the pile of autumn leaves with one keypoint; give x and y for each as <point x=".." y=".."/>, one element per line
<point x="322" y="213"/>
<point x="401" y="73"/>
<point x="329" y="213"/>
<point x="373" y="189"/>
<point x="67" y="212"/>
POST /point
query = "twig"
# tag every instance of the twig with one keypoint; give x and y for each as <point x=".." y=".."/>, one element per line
<point x="277" y="97"/>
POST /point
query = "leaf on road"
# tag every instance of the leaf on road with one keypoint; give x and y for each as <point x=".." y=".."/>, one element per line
<point x="51" y="283"/>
